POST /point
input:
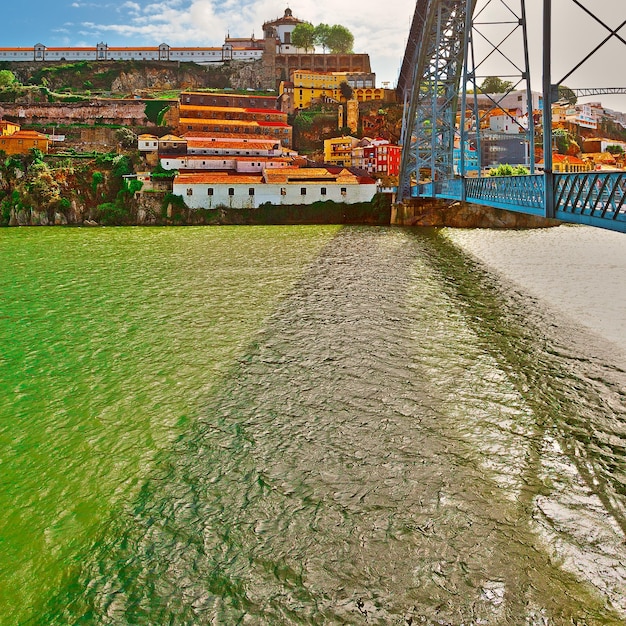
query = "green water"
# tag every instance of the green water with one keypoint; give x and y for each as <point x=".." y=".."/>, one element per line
<point x="298" y="425"/>
<point x="110" y="339"/>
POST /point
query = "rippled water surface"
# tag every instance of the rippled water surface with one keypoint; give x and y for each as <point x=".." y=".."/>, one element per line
<point x="299" y="425"/>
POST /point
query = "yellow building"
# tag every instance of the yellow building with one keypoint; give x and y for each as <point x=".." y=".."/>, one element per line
<point x="564" y="163"/>
<point x="338" y="150"/>
<point x="306" y="88"/>
<point x="21" y="141"/>
<point x="8" y="128"/>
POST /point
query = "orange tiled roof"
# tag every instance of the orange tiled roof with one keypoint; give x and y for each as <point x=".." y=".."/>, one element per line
<point x="564" y="158"/>
<point x="28" y="134"/>
<point x="172" y="138"/>
<point x="216" y="178"/>
<point x="214" y="122"/>
<point x="287" y="174"/>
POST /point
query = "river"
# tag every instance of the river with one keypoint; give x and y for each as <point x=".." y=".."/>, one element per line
<point x="312" y="425"/>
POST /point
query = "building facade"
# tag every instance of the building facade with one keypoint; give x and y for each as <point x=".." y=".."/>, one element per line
<point x="21" y="141"/>
<point x="231" y="115"/>
<point x="291" y="186"/>
<point x="104" y="52"/>
<point x="338" y="150"/>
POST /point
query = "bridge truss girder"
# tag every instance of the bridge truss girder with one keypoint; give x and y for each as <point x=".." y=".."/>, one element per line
<point x="431" y="105"/>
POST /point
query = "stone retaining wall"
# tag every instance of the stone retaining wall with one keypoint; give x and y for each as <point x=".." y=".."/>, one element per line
<point x="429" y="212"/>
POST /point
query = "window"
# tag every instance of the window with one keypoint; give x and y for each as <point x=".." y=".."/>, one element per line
<point x="251" y="191"/>
<point x="323" y="191"/>
<point x="231" y="191"/>
<point x="283" y="191"/>
<point x="303" y="191"/>
<point x="209" y="191"/>
<point x="344" y="190"/>
<point x="189" y="191"/>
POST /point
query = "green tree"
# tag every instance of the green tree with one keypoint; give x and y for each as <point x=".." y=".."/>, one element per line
<point x="493" y="84"/>
<point x="7" y="79"/>
<point x="303" y="36"/>
<point x="615" y="149"/>
<point x="346" y="90"/>
<point x="504" y="169"/>
<point x="40" y="189"/>
<point x="322" y="33"/>
<point x="340" y="40"/>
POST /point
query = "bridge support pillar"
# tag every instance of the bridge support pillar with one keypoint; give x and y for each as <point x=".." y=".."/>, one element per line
<point x="439" y="213"/>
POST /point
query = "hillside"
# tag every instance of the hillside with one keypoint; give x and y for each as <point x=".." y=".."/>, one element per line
<point x="128" y="78"/>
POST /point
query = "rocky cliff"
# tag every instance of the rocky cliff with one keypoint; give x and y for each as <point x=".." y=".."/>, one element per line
<point x="137" y="77"/>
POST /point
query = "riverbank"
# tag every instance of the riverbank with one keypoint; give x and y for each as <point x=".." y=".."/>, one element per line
<point x="163" y="209"/>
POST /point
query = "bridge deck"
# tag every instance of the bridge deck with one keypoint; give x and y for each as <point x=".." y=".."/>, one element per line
<point x="592" y="198"/>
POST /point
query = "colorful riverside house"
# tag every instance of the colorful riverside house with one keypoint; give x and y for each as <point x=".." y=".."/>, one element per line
<point x="382" y="157"/>
<point x="338" y="150"/>
<point x="285" y="185"/>
<point x="21" y="141"/>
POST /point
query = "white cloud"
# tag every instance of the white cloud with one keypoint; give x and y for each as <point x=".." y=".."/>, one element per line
<point x="381" y="31"/>
<point x="206" y="22"/>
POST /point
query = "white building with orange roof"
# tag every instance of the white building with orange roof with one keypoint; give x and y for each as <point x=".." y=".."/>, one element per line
<point x="147" y="143"/>
<point x="285" y="185"/>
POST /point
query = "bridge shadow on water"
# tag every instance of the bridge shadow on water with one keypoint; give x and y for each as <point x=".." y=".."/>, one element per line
<point x="407" y="440"/>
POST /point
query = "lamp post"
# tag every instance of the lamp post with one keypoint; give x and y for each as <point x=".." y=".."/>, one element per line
<point x="548" y="176"/>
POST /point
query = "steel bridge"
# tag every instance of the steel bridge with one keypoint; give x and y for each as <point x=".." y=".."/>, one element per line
<point x="452" y="46"/>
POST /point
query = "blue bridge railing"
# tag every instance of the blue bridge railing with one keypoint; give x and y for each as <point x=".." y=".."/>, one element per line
<point x="593" y="198"/>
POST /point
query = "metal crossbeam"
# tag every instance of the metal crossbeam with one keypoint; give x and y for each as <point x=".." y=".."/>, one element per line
<point x="582" y="92"/>
<point x="439" y="64"/>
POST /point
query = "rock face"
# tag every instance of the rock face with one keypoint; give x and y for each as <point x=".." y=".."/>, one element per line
<point x="463" y="215"/>
<point x="121" y="76"/>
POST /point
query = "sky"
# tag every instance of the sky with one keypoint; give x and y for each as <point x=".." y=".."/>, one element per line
<point x="379" y="28"/>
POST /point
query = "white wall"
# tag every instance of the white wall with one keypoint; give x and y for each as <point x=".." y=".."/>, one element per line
<point x="222" y="164"/>
<point x="175" y="54"/>
<point x="200" y="199"/>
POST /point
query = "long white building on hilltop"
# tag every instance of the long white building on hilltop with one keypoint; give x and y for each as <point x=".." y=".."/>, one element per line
<point x="276" y="33"/>
<point x="163" y="52"/>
